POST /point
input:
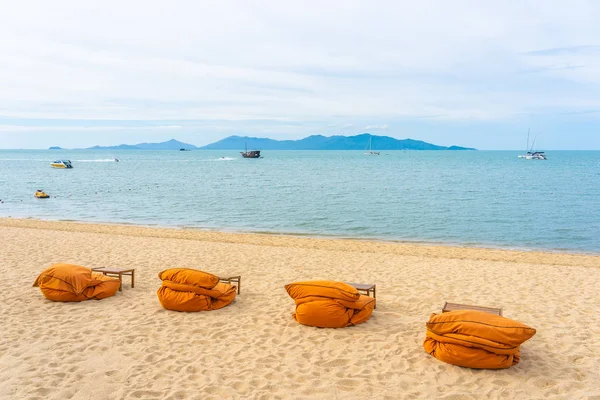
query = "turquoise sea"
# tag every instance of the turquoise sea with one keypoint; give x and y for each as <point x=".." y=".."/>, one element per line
<point x="474" y="198"/>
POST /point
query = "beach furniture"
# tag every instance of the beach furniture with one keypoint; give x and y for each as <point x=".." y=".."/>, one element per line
<point x="185" y="289"/>
<point x="365" y="288"/>
<point x="454" y="306"/>
<point x="118" y="273"/>
<point x="67" y="282"/>
<point x="237" y="279"/>
<point x="329" y="304"/>
<point x="475" y="339"/>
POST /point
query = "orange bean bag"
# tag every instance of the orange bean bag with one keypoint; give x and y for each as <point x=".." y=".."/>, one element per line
<point x="475" y="339"/>
<point x="328" y="304"/>
<point x="66" y="282"/>
<point x="186" y="289"/>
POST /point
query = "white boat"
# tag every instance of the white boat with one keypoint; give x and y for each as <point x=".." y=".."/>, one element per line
<point x="530" y="153"/>
<point x="534" y="155"/>
<point x="370" y="147"/>
<point x="61" y="164"/>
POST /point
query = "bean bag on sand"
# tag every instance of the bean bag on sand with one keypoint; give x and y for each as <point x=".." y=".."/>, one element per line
<point x="328" y="304"/>
<point x="67" y="282"/>
<point x="186" y="289"/>
<point x="475" y="339"/>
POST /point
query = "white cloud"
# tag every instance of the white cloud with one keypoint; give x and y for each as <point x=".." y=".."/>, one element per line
<point x="463" y="60"/>
<point x="83" y="129"/>
<point x="377" y="126"/>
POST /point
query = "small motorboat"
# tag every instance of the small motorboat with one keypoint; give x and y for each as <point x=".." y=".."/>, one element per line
<point x="61" y="164"/>
<point x="116" y="159"/>
<point x="40" y="194"/>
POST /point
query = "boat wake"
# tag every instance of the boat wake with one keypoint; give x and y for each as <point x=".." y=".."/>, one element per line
<point x="98" y="160"/>
<point x="226" y="159"/>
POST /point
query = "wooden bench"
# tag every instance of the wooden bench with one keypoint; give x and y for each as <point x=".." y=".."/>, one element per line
<point x="237" y="279"/>
<point x="118" y="272"/>
<point x="454" y="307"/>
<point x="365" y="288"/>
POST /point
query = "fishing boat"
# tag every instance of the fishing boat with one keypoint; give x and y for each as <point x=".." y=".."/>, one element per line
<point x="251" y="153"/>
<point x="61" y="164"/>
<point x="370" y="147"/>
<point x="530" y="153"/>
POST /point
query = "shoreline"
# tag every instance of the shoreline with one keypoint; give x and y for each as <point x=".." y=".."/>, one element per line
<point x="433" y="250"/>
<point x="243" y="231"/>
<point x="325" y="236"/>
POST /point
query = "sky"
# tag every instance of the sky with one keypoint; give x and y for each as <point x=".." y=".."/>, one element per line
<point x="470" y="73"/>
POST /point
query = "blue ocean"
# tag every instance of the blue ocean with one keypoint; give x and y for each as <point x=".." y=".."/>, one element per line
<point x="471" y="198"/>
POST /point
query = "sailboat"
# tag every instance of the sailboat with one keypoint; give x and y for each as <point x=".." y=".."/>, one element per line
<point x="370" y="146"/>
<point x="530" y="153"/>
<point x="251" y="153"/>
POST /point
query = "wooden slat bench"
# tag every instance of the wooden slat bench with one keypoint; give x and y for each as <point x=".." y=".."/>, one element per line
<point x="237" y="279"/>
<point x="455" y="306"/>
<point x="365" y="288"/>
<point x="118" y="272"/>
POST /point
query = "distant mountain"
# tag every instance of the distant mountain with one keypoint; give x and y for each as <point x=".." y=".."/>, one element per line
<point x="169" y="145"/>
<point x="319" y="142"/>
<point x="315" y="142"/>
<point x="459" y="148"/>
<point x="54" y="148"/>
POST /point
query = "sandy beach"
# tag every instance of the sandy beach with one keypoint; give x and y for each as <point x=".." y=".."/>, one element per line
<point x="129" y="347"/>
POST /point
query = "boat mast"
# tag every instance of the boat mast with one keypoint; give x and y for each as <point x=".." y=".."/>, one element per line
<point x="527" y="148"/>
<point x="533" y="144"/>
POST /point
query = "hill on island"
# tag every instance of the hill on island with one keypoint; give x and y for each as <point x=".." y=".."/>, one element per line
<point x="168" y="145"/>
<point x="319" y="142"/>
<point x="315" y="142"/>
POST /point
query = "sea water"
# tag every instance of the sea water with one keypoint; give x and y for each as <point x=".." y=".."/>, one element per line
<point x="475" y="198"/>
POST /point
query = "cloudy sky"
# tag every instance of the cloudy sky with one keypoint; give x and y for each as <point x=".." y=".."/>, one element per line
<point x="471" y="73"/>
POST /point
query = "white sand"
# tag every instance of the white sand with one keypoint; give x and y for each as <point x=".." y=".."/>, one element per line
<point x="127" y="346"/>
